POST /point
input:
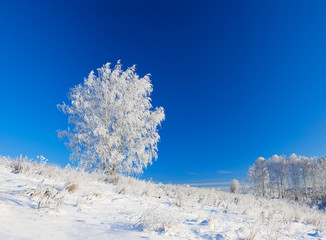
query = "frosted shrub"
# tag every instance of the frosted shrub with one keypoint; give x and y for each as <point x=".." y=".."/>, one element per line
<point x="16" y="166"/>
<point x="30" y="167"/>
<point x="43" y="170"/>
<point x="48" y="196"/>
<point x="20" y="164"/>
<point x="158" y="219"/>
<point x="181" y="200"/>
<point x="234" y="186"/>
<point x="213" y="222"/>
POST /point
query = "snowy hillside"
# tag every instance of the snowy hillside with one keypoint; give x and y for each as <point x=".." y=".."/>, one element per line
<point x="38" y="201"/>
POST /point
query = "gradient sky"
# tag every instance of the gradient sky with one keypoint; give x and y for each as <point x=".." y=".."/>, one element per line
<point x="237" y="79"/>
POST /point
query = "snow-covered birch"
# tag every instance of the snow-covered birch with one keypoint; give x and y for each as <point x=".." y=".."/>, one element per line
<point x="114" y="127"/>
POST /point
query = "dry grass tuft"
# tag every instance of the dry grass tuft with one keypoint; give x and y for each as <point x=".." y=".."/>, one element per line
<point x="72" y="188"/>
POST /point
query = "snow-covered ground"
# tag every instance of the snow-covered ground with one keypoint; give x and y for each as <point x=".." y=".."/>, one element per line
<point x="46" y="202"/>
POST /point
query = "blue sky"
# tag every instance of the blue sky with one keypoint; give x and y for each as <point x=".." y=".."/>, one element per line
<point x="237" y="79"/>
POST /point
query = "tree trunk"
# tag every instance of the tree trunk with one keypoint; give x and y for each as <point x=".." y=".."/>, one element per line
<point x="112" y="170"/>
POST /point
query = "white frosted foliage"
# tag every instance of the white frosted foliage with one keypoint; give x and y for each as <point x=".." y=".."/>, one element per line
<point x="234" y="186"/>
<point x="113" y="124"/>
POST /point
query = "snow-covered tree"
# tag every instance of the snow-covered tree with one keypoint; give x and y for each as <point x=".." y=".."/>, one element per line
<point x="114" y="127"/>
<point x="259" y="176"/>
<point x="305" y="173"/>
<point x="320" y="179"/>
<point x="294" y="177"/>
<point x="279" y="172"/>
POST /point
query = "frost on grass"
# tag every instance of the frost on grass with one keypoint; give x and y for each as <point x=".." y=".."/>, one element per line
<point x="159" y="219"/>
<point x="48" y="196"/>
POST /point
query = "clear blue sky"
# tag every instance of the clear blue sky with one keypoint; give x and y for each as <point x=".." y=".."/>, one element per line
<point x="237" y="79"/>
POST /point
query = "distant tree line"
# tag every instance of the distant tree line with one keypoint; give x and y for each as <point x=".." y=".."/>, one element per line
<point x="295" y="177"/>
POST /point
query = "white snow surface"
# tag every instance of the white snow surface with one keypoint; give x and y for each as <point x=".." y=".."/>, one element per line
<point x="134" y="209"/>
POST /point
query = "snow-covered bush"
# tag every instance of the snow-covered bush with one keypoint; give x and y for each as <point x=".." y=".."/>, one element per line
<point x="25" y="165"/>
<point x="159" y="219"/>
<point x="113" y="125"/>
<point x="44" y="170"/>
<point x="48" y="196"/>
<point x="234" y="186"/>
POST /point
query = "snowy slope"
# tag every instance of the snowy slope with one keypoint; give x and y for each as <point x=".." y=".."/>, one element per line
<point x="38" y="205"/>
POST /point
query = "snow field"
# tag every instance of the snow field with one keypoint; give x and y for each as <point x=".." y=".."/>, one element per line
<point x="40" y="201"/>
